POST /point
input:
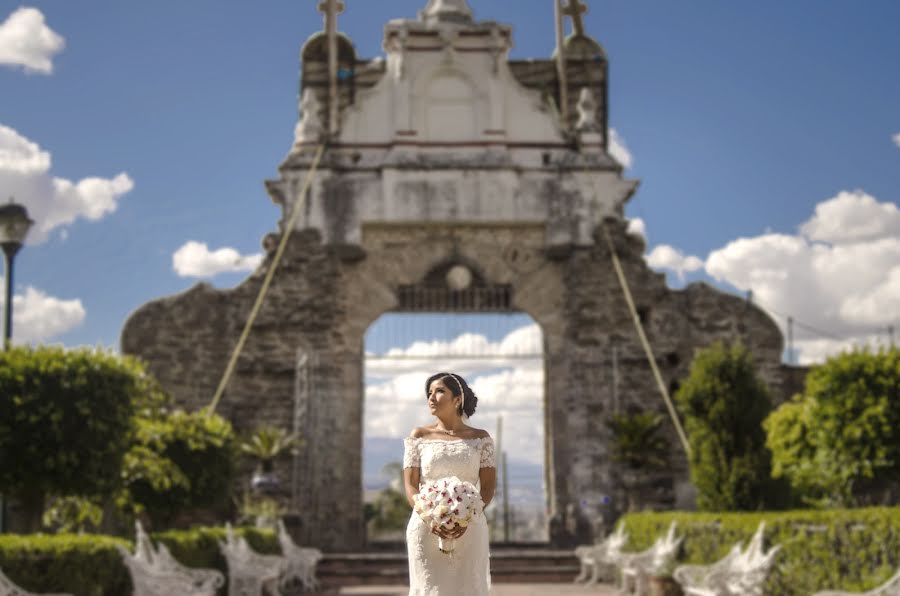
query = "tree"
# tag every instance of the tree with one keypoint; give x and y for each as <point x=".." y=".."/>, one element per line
<point x="639" y="445"/>
<point x="266" y="444"/>
<point x="839" y="442"/>
<point x="724" y="403"/>
<point x="178" y="462"/>
<point x="65" y="422"/>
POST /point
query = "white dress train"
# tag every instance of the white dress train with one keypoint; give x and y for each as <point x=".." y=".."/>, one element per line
<point x="467" y="571"/>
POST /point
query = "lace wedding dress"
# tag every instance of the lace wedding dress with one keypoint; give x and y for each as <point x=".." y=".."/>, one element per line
<point x="467" y="571"/>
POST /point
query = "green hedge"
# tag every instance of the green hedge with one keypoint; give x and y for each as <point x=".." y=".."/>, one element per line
<point x="90" y="565"/>
<point x="847" y="549"/>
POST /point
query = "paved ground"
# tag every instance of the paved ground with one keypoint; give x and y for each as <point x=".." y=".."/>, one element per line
<point x="498" y="590"/>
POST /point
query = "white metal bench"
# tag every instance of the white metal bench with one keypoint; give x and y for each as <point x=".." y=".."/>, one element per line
<point x="635" y="569"/>
<point x="148" y="580"/>
<point x="742" y="572"/>
<point x="155" y="572"/>
<point x="249" y="572"/>
<point x="301" y="561"/>
<point x="8" y="588"/>
<point x="597" y="558"/>
<point x="159" y="559"/>
<point x="890" y="588"/>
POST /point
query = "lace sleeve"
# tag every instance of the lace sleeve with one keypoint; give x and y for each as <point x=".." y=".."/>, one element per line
<point x="411" y="453"/>
<point x="487" y="453"/>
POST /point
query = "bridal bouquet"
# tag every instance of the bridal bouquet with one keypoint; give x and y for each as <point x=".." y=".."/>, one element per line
<point x="447" y="503"/>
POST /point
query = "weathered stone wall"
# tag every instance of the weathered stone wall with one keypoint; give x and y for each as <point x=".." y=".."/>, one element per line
<point x="320" y="306"/>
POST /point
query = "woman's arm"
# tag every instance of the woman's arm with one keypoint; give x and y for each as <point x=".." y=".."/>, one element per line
<point x="411" y="484"/>
<point x="488" y="480"/>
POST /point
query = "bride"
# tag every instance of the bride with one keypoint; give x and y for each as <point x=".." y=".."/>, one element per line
<point x="449" y="447"/>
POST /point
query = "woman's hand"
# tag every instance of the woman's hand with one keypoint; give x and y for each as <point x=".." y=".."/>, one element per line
<point x="451" y="534"/>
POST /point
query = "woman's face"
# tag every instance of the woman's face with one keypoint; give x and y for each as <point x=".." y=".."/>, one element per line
<point x="441" y="401"/>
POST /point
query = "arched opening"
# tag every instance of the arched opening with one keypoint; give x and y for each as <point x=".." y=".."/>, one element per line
<point x="501" y="357"/>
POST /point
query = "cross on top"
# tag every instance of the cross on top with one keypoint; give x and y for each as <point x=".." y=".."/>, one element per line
<point x="331" y="9"/>
<point x="574" y="9"/>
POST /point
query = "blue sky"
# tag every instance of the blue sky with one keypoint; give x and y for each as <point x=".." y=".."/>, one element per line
<point x="766" y="136"/>
<point x="740" y="119"/>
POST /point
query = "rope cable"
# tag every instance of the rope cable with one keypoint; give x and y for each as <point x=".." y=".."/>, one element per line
<point x="648" y="350"/>
<point x="257" y="306"/>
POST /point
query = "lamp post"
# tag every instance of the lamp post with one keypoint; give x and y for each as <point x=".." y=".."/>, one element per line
<point x="14" y="226"/>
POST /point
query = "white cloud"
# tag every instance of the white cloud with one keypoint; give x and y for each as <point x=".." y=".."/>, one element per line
<point x="896" y="139"/>
<point x="52" y="202"/>
<point x="839" y="277"/>
<point x="637" y="227"/>
<point x="38" y="317"/>
<point x="667" y="257"/>
<point x="26" y="41"/>
<point x="852" y="217"/>
<point x="513" y="389"/>
<point x="619" y="150"/>
<point x="194" y="259"/>
<point x="456" y="354"/>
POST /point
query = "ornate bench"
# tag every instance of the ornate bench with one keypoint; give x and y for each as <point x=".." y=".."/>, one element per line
<point x="301" y="561"/>
<point x="8" y="588"/>
<point x="739" y="573"/>
<point x="636" y="568"/>
<point x="249" y="572"/>
<point x="890" y="588"/>
<point x="596" y="558"/>
<point x="155" y="572"/>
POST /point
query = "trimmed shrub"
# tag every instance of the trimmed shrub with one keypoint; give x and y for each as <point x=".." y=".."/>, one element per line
<point x="179" y="462"/>
<point x="83" y="565"/>
<point x="90" y="565"/>
<point x="724" y="403"/>
<point x="839" y="443"/>
<point x="65" y="420"/>
<point x="847" y="549"/>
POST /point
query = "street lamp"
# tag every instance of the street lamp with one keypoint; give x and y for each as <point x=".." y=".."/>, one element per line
<point x="14" y="226"/>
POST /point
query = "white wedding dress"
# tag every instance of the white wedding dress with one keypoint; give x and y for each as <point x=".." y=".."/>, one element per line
<point x="467" y="571"/>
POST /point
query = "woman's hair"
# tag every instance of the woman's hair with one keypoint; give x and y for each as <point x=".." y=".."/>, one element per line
<point x="457" y="386"/>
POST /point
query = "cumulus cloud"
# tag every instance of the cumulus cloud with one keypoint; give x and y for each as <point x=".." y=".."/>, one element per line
<point x="27" y="42"/>
<point x="619" y="150"/>
<point x="194" y="259"/>
<point x="839" y="277"/>
<point x="672" y="259"/>
<point x="637" y="227"/>
<point x="852" y="217"/>
<point x="51" y="201"/>
<point x="456" y="354"/>
<point x="513" y="389"/>
<point x="896" y="139"/>
<point x="38" y="317"/>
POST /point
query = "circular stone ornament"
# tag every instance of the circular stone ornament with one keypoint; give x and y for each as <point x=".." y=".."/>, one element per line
<point x="459" y="278"/>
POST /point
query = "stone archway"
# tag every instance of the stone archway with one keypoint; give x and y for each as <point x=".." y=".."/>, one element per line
<point x="393" y="200"/>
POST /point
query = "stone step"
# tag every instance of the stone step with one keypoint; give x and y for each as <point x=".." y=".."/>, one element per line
<point x="392" y="568"/>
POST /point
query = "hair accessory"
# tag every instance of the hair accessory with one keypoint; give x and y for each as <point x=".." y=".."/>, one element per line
<point x="462" y="391"/>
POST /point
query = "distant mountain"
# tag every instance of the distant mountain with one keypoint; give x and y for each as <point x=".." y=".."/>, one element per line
<point x="526" y="480"/>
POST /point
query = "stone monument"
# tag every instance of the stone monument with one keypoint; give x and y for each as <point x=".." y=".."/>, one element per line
<point x="450" y="183"/>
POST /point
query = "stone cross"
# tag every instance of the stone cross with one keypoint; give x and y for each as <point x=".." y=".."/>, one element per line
<point x="440" y="8"/>
<point x="574" y="9"/>
<point x="331" y="9"/>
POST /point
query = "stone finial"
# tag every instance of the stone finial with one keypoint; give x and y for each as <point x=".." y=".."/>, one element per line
<point x="587" y="111"/>
<point x="309" y="129"/>
<point x="454" y="11"/>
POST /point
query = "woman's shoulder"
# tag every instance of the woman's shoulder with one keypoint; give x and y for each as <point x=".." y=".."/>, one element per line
<point x="419" y="432"/>
<point x="479" y="433"/>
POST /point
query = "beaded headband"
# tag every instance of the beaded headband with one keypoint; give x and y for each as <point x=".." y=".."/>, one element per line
<point x="462" y="391"/>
